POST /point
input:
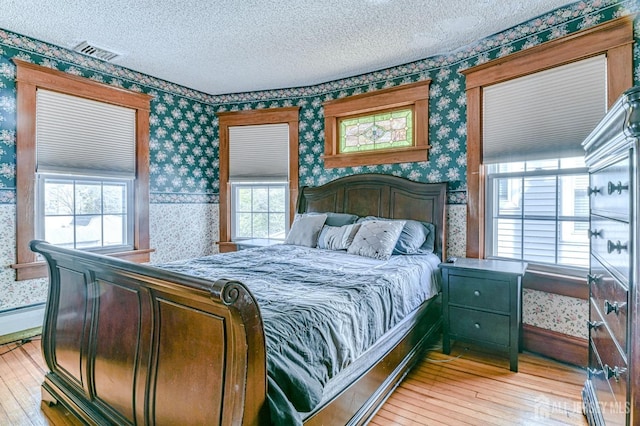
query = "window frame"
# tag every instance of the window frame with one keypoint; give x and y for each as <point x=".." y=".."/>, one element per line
<point x="234" y="200"/>
<point x="490" y="215"/>
<point x="30" y="77"/>
<point x="289" y="115"/>
<point x="413" y="95"/>
<point x="613" y="38"/>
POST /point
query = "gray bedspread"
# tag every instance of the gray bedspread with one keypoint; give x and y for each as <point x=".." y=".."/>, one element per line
<point x="321" y="310"/>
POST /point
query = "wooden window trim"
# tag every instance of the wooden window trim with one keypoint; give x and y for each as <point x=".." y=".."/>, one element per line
<point x="289" y="115"/>
<point x="613" y="38"/>
<point x="563" y="285"/>
<point x="30" y="77"/>
<point x="415" y="95"/>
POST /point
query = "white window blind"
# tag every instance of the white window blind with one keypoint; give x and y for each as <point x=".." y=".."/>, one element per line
<point x="259" y="151"/>
<point x="84" y="137"/>
<point x="544" y="115"/>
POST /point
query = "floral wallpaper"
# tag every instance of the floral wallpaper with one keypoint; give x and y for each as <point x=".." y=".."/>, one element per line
<point x="184" y="127"/>
<point x="447" y="98"/>
<point x="183" y="161"/>
<point x="184" y="140"/>
<point x="183" y="166"/>
<point x="183" y="152"/>
<point x="563" y="314"/>
<point x="456" y="230"/>
<point x="182" y="231"/>
<point x="15" y="293"/>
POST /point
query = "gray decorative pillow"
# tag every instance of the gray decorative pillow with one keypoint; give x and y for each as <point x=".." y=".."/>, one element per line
<point x="337" y="237"/>
<point x="430" y="242"/>
<point x="416" y="237"/>
<point x="411" y="238"/>
<point x="305" y="229"/>
<point x="337" y="219"/>
<point x="376" y="238"/>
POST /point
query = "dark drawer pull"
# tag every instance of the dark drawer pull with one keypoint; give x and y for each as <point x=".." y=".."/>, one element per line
<point x="611" y="246"/>
<point x="613" y="373"/>
<point x="476" y="325"/>
<point x="594" y="324"/>
<point x="593" y="191"/>
<point x="613" y="307"/>
<point x="611" y="188"/>
<point x="596" y="233"/>
<point x="476" y="293"/>
<point x="593" y="279"/>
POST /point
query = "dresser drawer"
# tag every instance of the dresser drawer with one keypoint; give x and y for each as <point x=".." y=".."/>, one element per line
<point x="608" y="374"/>
<point x="480" y="326"/>
<point x="611" y="299"/>
<point x="490" y="294"/>
<point x="610" y="190"/>
<point x="600" y="335"/>
<point x="610" y="243"/>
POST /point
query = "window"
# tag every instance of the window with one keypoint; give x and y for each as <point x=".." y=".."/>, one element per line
<point x="382" y="127"/>
<point x="258" y="174"/>
<point x="259" y="210"/>
<point x="613" y="39"/>
<point x="85" y="213"/>
<point x="537" y="207"/>
<point x="384" y="130"/>
<point x="538" y="211"/>
<point x="82" y="145"/>
<point x="73" y="190"/>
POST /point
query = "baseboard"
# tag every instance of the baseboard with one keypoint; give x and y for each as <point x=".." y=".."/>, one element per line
<point x="21" y="323"/>
<point x="20" y="335"/>
<point x="558" y="346"/>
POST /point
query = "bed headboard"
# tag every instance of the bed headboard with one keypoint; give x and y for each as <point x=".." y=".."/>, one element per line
<point x="381" y="195"/>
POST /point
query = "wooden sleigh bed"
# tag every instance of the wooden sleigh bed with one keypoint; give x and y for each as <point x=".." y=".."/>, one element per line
<point x="135" y="344"/>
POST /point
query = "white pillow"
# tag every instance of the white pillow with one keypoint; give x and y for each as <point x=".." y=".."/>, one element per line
<point x="337" y="237"/>
<point x="376" y="239"/>
<point x="305" y="229"/>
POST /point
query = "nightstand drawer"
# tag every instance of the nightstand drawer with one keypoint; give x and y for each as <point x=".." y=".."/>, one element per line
<point x="484" y="293"/>
<point x="479" y="326"/>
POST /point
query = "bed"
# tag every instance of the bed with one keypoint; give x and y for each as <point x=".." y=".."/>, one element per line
<point x="179" y="344"/>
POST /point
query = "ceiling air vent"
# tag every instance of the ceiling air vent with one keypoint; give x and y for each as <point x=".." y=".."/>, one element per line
<point x="96" y="52"/>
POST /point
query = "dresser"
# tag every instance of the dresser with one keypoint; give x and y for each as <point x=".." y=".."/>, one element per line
<point x="610" y="394"/>
<point x="482" y="304"/>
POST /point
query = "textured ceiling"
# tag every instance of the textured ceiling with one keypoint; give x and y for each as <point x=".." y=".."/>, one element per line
<point x="229" y="46"/>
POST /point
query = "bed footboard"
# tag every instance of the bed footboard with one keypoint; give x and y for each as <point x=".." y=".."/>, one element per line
<point x="133" y="344"/>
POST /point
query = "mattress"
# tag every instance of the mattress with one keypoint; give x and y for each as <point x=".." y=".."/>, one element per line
<point x="321" y="310"/>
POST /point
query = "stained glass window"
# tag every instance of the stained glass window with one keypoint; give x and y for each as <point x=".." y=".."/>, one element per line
<point x="384" y="126"/>
<point x="383" y="130"/>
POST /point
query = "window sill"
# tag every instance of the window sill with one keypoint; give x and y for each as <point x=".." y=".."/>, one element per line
<point x="564" y="285"/>
<point x="33" y="270"/>
<point x="257" y="242"/>
<point x="389" y="156"/>
<point x="227" y="246"/>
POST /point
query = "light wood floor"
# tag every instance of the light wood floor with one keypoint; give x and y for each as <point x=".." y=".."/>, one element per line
<point x="477" y="388"/>
<point x="467" y="387"/>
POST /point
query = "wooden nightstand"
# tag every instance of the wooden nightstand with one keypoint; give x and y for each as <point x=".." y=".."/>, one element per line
<point x="482" y="303"/>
